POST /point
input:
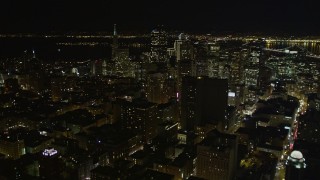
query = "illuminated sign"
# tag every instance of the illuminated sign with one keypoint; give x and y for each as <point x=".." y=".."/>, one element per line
<point x="49" y="152"/>
<point x="286" y="127"/>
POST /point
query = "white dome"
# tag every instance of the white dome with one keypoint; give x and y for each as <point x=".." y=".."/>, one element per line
<point x="296" y="155"/>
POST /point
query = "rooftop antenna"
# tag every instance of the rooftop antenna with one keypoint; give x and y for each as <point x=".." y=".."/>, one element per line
<point x="115" y="29"/>
<point x="33" y="54"/>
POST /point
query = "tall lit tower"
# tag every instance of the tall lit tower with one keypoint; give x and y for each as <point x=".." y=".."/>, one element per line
<point x="33" y="54"/>
<point x="104" y="67"/>
<point x="115" y="30"/>
<point x="159" y="45"/>
<point x="115" y="43"/>
<point x="295" y="166"/>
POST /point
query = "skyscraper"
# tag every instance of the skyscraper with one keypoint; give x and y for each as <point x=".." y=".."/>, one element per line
<point x="156" y="88"/>
<point x="295" y="166"/>
<point x="217" y="156"/>
<point x="121" y="64"/>
<point x="140" y="117"/>
<point x="183" y="48"/>
<point x="203" y="101"/>
<point x="115" y="43"/>
<point x="159" y="45"/>
<point x="104" y="67"/>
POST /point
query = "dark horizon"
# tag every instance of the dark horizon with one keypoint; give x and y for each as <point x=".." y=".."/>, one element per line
<point x="270" y="17"/>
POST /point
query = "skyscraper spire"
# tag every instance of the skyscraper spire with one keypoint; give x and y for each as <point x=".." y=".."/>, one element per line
<point x="115" y="30"/>
<point x="33" y="54"/>
<point x="115" y="44"/>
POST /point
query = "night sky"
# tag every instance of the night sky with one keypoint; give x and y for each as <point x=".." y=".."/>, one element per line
<point x="142" y="15"/>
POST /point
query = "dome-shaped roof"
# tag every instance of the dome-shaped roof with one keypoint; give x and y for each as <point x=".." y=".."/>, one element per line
<point x="296" y="155"/>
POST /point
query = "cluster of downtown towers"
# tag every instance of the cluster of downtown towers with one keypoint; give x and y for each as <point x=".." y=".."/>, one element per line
<point x="191" y="107"/>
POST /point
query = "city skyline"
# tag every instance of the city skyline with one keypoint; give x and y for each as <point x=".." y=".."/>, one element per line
<point x="175" y="90"/>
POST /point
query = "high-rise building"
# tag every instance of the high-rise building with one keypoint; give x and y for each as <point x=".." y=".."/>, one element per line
<point x="177" y="48"/>
<point x="203" y="101"/>
<point x="156" y="90"/>
<point x="115" y="43"/>
<point x="213" y="59"/>
<point x="96" y="67"/>
<point x="185" y="68"/>
<point x="120" y="64"/>
<point x="217" y="156"/>
<point x="251" y="76"/>
<point x="159" y="45"/>
<point x="295" y="166"/>
<point x="309" y="126"/>
<point x="183" y="48"/>
<point x="139" y="116"/>
<point x="104" y="68"/>
<point x="236" y="68"/>
<point x="201" y="59"/>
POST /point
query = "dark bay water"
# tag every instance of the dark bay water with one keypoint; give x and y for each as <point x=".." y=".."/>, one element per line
<point x="49" y="49"/>
<point x="66" y="48"/>
<point x="62" y="48"/>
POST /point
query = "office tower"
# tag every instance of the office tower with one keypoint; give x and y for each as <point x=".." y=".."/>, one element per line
<point x="96" y="67"/>
<point x="213" y="68"/>
<point x="140" y="117"/>
<point x="213" y="60"/>
<point x="115" y="43"/>
<point x="171" y="52"/>
<point x="201" y="59"/>
<point x="159" y="45"/>
<point x="309" y="125"/>
<point x="50" y="165"/>
<point x="252" y="69"/>
<point x="183" y="48"/>
<point x="104" y="67"/>
<point x="32" y="65"/>
<point x="251" y="76"/>
<point x="156" y="90"/>
<point x="236" y="67"/>
<point x="185" y="68"/>
<point x="120" y="61"/>
<point x="231" y="98"/>
<point x="177" y="48"/>
<point x="213" y="49"/>
<point x="203" y="101"/>
<point x="295" y="166"/>
<point x="265" y="74"/>
<point x="120" y="64"/>
<point x="217" y="156"/>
